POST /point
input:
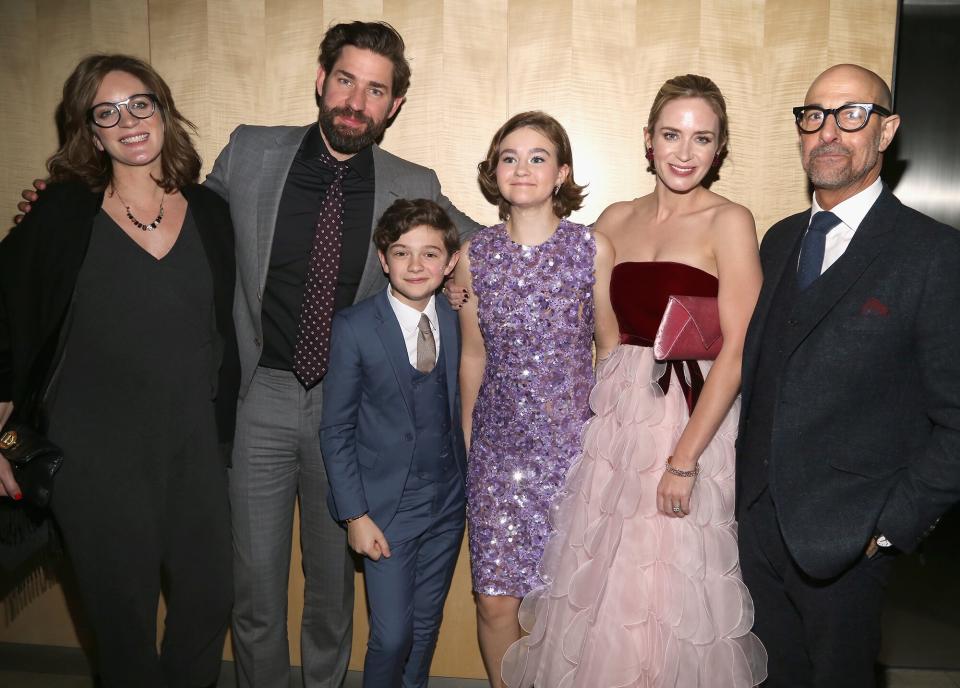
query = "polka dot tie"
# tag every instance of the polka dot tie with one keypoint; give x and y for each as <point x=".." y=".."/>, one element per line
<point x="311" y="354"/>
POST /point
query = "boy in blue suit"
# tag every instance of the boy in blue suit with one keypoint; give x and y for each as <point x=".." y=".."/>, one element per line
<point x="392" y="442"/>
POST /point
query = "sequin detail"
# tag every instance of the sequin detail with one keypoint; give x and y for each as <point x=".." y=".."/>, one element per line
<point x="536" y="315"/>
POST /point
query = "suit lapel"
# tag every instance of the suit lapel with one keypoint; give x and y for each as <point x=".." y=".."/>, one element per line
<point x="388" y="329"/>
<point x="273" y="172"/>
<point x="386" y="191"/>
<point x="869" y="240"/>
<point x="450" y="343"/>
<point x="772" y="275"/>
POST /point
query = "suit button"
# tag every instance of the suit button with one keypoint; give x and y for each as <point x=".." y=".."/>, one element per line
<point x="256" y="342"/>
<point x="791" y="321"/>
<point x="408" y="437"/>
<point x="766" y="462"/>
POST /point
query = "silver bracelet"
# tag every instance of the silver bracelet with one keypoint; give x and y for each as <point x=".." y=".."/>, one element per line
<point x="682" y="474"/>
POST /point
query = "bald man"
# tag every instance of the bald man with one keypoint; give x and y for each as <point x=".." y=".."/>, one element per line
<point x="849" y="444"/>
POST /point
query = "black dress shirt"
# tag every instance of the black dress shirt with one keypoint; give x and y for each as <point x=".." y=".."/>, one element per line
<point x="297" y="216"/>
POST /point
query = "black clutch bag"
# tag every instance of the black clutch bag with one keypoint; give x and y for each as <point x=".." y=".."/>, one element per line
<point x="34" y="458"/>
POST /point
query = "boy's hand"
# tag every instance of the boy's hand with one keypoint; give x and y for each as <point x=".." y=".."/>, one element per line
<point x="364" y="537"/>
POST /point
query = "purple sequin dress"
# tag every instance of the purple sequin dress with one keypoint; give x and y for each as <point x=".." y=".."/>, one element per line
<point x="536" y="315"/>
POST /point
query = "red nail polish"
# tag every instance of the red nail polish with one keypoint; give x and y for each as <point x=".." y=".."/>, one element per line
<point x="17" y="497"/>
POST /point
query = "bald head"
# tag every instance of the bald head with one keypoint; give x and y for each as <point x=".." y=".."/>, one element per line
<point x="851" y="79"/>
<point x="839" y="162"/>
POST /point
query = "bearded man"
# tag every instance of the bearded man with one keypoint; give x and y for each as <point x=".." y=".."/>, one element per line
<point x="849" y="444"/>
<point x="304" y="201"/>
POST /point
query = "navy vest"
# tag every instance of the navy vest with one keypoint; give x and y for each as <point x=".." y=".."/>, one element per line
<point x="433" y="453"/>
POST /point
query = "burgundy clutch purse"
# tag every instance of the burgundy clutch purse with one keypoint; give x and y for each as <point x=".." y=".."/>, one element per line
<point x="689" y="330"/>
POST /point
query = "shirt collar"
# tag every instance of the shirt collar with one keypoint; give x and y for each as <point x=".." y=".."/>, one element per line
<point x="313" y="146"/>
<point x="408" y="316"/>
<point x="852" y="211"/>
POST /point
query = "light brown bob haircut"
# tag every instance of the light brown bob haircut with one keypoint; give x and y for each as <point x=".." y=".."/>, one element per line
<point x="79" y="159"/>
<point x="567" y="199"/>
<point x="404" y="214"/>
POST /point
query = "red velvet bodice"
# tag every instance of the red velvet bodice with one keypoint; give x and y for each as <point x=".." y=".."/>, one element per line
<point x="639" y="293"/>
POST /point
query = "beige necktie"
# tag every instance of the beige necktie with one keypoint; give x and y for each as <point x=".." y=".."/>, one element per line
<point x="426" y="346"/>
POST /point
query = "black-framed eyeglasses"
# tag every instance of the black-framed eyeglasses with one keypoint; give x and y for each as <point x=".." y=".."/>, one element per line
<point x="141" y="106"/>
<point x="849" y="117"/>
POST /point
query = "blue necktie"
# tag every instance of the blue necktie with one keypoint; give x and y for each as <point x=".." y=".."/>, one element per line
<point x="811" y="251"/>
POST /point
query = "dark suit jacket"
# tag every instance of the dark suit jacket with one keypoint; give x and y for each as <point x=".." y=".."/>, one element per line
<point x="39" y="263"/>
<point x="866" y="430"/>
<point x="368" y="433"/>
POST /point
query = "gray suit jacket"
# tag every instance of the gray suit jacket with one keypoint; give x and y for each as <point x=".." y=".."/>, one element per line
<point x="250" y="173"/>
<point x="866" y="429"/>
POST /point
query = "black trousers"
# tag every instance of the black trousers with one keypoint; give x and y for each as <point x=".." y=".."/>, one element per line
<point x="818" y="633"/>
<point x="136" y="513"/>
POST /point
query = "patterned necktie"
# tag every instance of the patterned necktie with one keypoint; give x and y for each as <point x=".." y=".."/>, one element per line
<point x="426" y="346"/>
<point x="812" y="248"/>
<point x="311" y="353"/>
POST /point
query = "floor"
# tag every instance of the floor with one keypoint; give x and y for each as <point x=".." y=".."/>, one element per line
<point x="72" y="667"/>
<point x="921" y="629"/>
<point x="895" y="678"/>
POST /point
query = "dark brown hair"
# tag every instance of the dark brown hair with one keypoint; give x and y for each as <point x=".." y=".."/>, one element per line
<point x="692" y="86"/>
<point x="567" y="199"/>
<point x="378" y="37"/>
<point x="405" y="214"/>
<point x="79" y="159"/>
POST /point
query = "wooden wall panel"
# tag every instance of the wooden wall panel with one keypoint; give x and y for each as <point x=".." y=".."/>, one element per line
<point x="593" y="64"/>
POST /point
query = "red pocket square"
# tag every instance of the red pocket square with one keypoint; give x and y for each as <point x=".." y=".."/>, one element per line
<point x="873" y="306"/>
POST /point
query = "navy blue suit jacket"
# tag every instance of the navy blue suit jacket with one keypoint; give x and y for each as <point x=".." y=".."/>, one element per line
<point x="367" y="434"/>
<point x="866" y="427"/>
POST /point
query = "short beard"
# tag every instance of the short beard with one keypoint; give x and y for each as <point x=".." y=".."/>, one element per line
<point x="842" y="178"/>
<point x="345" y="140"/>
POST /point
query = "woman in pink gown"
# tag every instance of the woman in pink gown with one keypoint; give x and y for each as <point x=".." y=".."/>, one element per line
<point x="643" y="584"/>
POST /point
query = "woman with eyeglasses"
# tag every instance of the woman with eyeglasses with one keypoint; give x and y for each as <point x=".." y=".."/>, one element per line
<point x="116" y="292"/>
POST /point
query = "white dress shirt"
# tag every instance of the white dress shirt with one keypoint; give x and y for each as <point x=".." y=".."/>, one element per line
<point x="851" y="213"/>
<point x="409" y="319"/>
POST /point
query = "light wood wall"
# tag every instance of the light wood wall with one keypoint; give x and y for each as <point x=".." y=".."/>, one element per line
<point x="594" y="64"/>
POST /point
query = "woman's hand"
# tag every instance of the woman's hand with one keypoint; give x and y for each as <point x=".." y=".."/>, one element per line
<point x="456" y="294"/>
<point x="674" y="491"/>
<point x="8" y="486"/>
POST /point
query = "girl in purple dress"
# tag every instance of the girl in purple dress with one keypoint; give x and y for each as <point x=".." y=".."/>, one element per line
<point x="539" y="287"/>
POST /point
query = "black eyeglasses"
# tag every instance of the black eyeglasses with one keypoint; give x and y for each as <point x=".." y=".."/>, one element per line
<point x="849" y="117"/>
<point x="141" y="106"/>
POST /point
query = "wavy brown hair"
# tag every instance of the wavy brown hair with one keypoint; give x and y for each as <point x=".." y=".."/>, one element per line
<point x="78" y="158"/>
<point x="378" y="37"/>
<point x="567" y="199"/>
<point x="405" y="214"/>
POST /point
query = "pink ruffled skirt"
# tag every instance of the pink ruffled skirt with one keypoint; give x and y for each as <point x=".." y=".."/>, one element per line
<point x="634" y="598"/>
